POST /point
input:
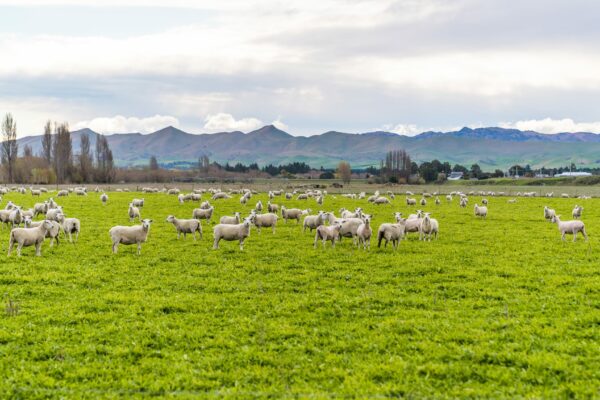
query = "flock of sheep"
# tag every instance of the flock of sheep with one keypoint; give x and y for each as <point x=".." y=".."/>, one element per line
<point x="327" y="226"/>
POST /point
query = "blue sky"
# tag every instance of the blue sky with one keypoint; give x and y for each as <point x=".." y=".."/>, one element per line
<point x="306" y="66"/>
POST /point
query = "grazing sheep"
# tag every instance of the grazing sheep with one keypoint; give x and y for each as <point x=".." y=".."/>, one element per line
<point x="185" y="226"/>
<point x="134" y="212"/>
<point x="570" y="227"/>
<point x="80" y="192"/>
<point x="429" y="226"/>
<point x="437" y="201"/>
<point x="29" y="237"/>
<point x="138" y="202"/>
<point x="264" y="220"/>
<point x="244" y="200"/>
<point x="127" y="235"/>
<point x="205" y="205"/>
<point x="512" y="201"/>
<point x="325" y="233"/>
<point x="449" y="197"/>
<point x="411" y="202"/>
<point x="364" y="233"/>
<point x="259" y="206"/>
<point x="10" y="205"/>
<point x="35" y="192"/>
<point x="220" y="195"/>
<point x="302" y="196"/>
<point x="577" y="212"/>
<point x="480" y="211"/>
<point x="347" y="214"/>
<point x="173" y="191"/>
<point x="40" y="208"/>
<point x="226" y="220"/>
<point x="463" y="202"/>
<point x="564" y="195"/>
<point x="52" y="213"/>
<point x="484" y="202"/>
<point x="272" y="208"/>
<point x="62" y="193"/>
<point x="52" y="203"/>
<point x="293" y="213"/>
<point x="232" y="232"/>
<point x="549" y="213"/>
<point x="15" y="217"/>
<point x="200" y="213"/>
<point x="314" y="221"/>
<point x="381" y="200"/>
<point x="423" y="201"/>
<point x="103" y="198"/>
<point x="412" y="225"/>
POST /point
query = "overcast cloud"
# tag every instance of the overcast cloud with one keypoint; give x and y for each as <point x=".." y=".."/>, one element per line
<point x="307" y="66"/>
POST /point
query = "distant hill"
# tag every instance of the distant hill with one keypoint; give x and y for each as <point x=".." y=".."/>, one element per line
<point x="491" y="147"/>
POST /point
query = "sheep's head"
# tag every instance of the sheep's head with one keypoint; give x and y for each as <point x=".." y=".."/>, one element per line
<point x="170" y="218"/>
<point x="146" y="224"/>
<point x="27" y="221"/>
<point x="47" y="224"/>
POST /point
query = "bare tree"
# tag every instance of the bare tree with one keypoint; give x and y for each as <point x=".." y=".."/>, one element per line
<point x="10" y="148"/>
<point x="104" y="160"/>
<point x="153" y="165"/>
<point x="47" y="142"/>
<point x="344" y="171"/>
<point x="27" y="151"/>
<point x="63" y="153"/>
<point x="203" y="164"/>
<point x="85" y="159"/>
<point x="397" y="165"/>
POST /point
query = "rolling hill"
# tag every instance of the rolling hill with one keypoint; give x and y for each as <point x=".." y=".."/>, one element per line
<point x="491" y="147"/>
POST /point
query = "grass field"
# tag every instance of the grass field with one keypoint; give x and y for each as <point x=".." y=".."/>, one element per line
<point x="497" y="308"/>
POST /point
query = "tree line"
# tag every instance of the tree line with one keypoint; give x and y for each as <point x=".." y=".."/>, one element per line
<point x="56" y="161"/>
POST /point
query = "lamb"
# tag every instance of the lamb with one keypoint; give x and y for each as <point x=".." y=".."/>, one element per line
<point x="411" y="201"/>
<point x="437" y="201"/>
<point x="484" y="201"/>
<point x="350" y="227"/>
<point x="244" y="200"/>
<point x="428" y="227"/>
<point x="272" y="208"/>
<point x="52" y="233"/>
<point x="549" y="213"/>
<point x="325" y="233"/>
<point x="288" y="196"/>
<point x="463" y="202"/>
<point x="259" y="206"/>
<point x="103" y="198"/>
<point x="413" y="225"/>
<point x="10" y="205"/>
<point x="264" y="220"/>
<point x="52" y="203"/>
<point x="570" y="227"/>
<point x="80" y="192"/>
<point x="205" y="205"/>
<point x="127" y="235"/>
<point x="185" y="226"/>
<point x="564" y="195"/>
<point x="200" y="213"/>
<point x="232" y="232"/>
<point x="364" y="233"/>
<point x="15" y="217"/>
<point x="512" y="201"/>
<point x="347" y="214"/>
<point x="423" y="202"/>
<point x="292" y="213"/>
<point x="226" y="220"/>
<point x="35" y="192"/>
<point x="577" y="212"/>
<point x="173" y="191"/>
<point x="449" y="197"/>
<point x="480" y="211"/>
<point x="29" y="237"/>
<point x="62" y="193"/>
<point x="138" y="202"/>
<point x="134" y="212"/>
<point x="314" y="221"/>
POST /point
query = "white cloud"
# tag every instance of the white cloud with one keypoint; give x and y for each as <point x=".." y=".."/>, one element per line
<point x="403" y="129"/>
<point x="224" y="122"/>
<point x="549" y="125"/>
<point x="121" y="124"/>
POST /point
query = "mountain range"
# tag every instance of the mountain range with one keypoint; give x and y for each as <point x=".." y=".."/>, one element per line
<point x="490" y="147"/>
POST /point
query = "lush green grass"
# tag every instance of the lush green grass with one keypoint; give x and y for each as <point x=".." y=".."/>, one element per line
<point x="494" y="308"/>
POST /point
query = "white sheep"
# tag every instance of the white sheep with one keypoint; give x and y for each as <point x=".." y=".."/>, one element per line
<point x="185" y="226"/>
<point x="62" y="193"/>
<point x="293" y="213"/>
<point x="227" y="220"/>
<point x="264" y="220"/>
<point x="314" y="221"/>
<point x="71" y="226"/>
<point x="232" y="232"/>
<point x="205" y="205"/>
<point x="480" y="211"/>
<point x="200" y="213"/>
<point x="103" y="198"/>
<point x="484" y="202"/>
<point x="220" y="195"/>
<point x="549" y="213"/>
<point x="259" y="206"/>
<point x="15" y="217"/>
<point x="127" y="235"/>
<point x="350" y="227"/>
<point x="134" y="212"/>
<point x="429" y="226"/>
<point x="138" y="202"/>
<point x="381" y="200"/>
<point x="423" y="202"/>
<point x="364" y="233"/>
<point x="325" y="233"/>
<point x="437" y="201"/>
<point x="570" y="227"/>
<point x="272" y="208"/>
<point x="29" y="237"/>
<point x="391" y="232"/>
<point x="411" y="201"/>
<point x="52" y="213"/>
<point x="577" y="212"/>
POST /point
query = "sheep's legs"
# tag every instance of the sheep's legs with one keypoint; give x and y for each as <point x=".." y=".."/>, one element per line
<point x="216" y="244"/>
<point x="10" y="247"/>
<point x="139" y="248"/>
<point x="115" y="247"/>
<point x="584" y="234"/>
<point x="38" y="249"/>
<point x="242" y="244"/>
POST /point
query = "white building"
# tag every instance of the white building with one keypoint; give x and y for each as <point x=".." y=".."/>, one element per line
<point x="565" y="174"/>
